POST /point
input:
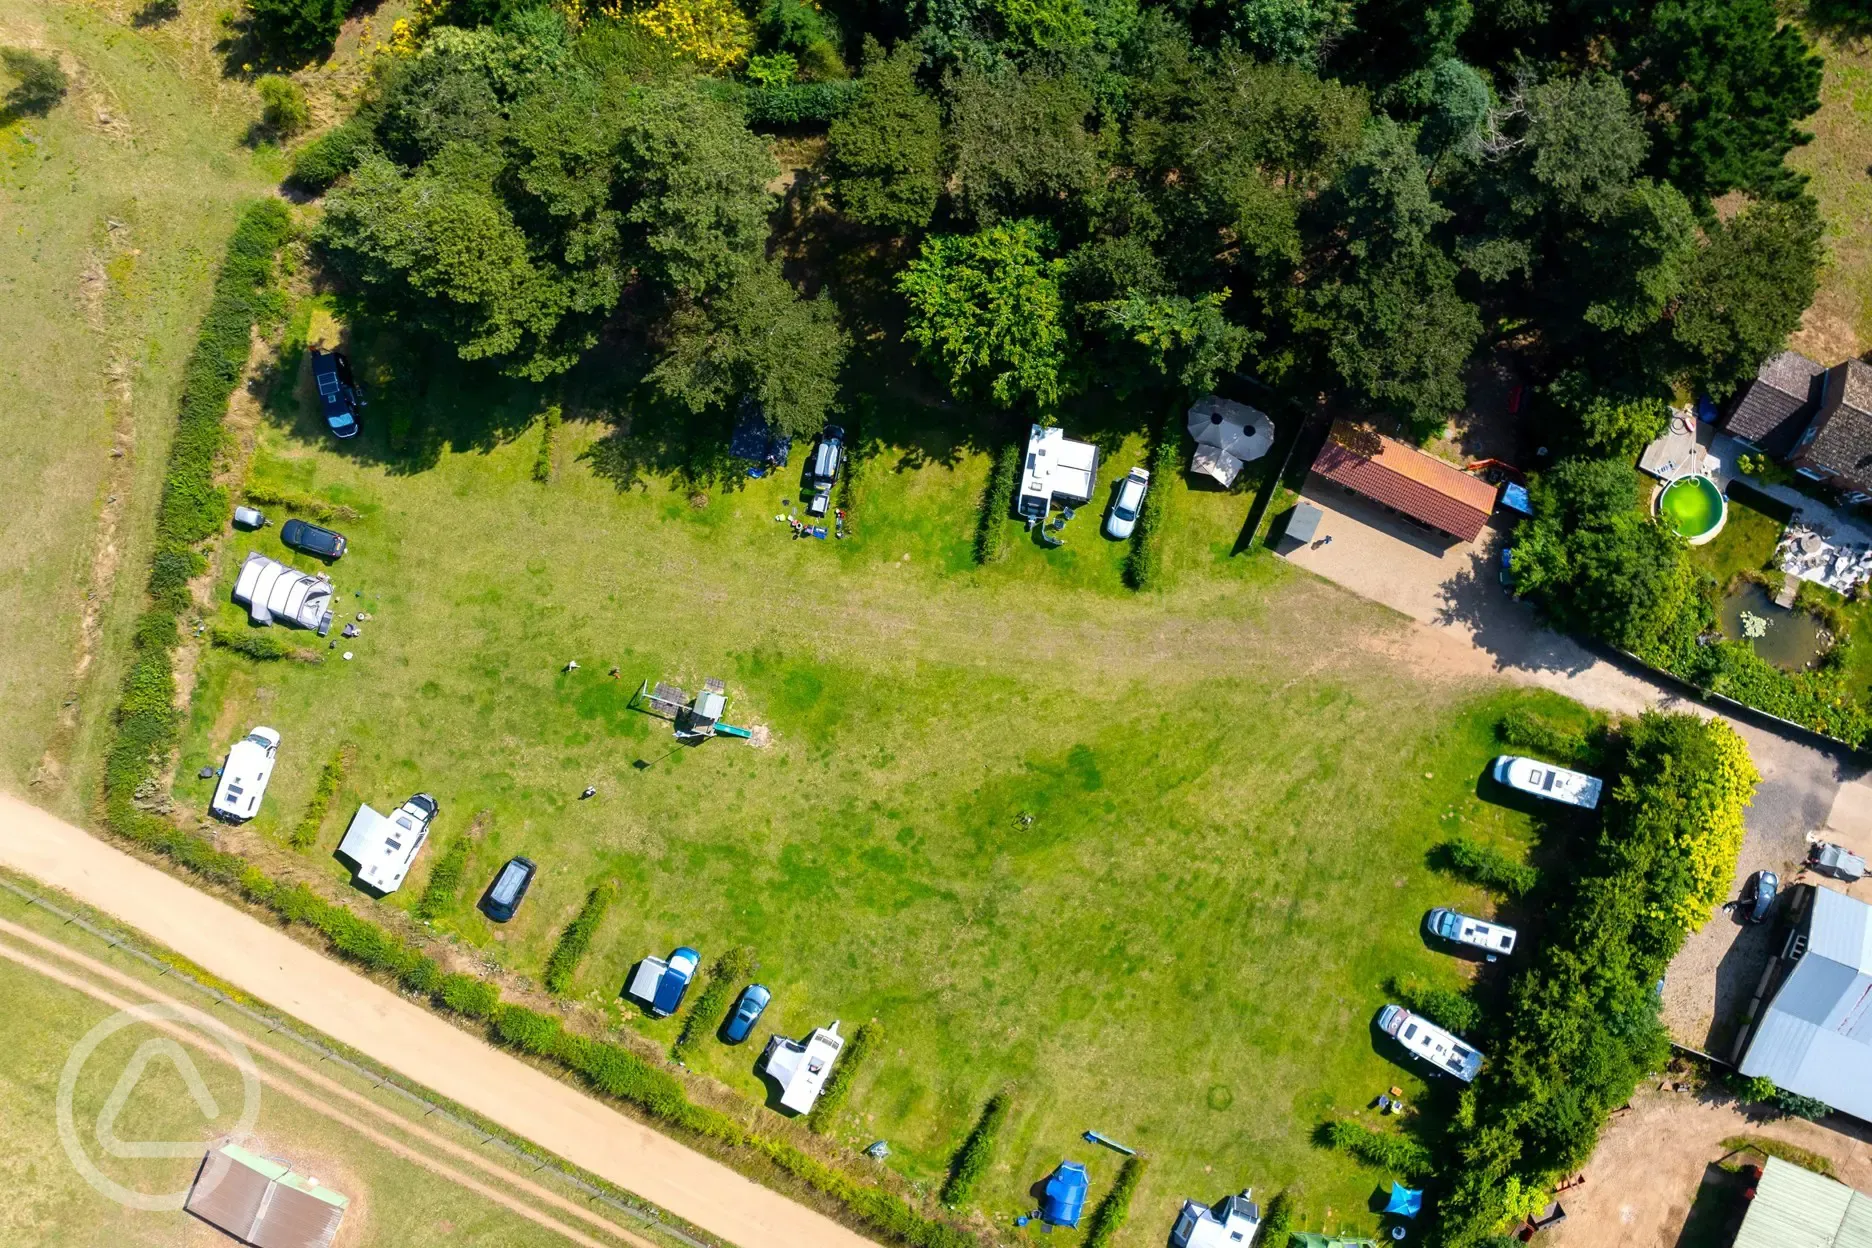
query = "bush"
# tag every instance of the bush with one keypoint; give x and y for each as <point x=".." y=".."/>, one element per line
<point x="520" y="1028"/>
<point x="1382" y="1150"/>
<point x="1800" y="1106"/>
<point x="284" y="108"/>
<point x="1448" y="1009"/>
<point x="1278" y="1222"/>
<point x="1819" y="698"/>
<point x="997" y="505"/>
<point x="299" y="26"/>
<point x="1486" y="865"/>
<point x="838" y="1087"/>
<point x="798" y="104"/>
<point x="1525" y="730"/>
<point x="304" y="504"/>
<point x="549" y="443"/>
<point x="331" y="776"/>
<point x="576" y="939"/>
<point x="1112" y="1211"/>
<point x="706" y="1013"/>
<point x="338" y="151"/>
<point x="39" y="82"/>
<point x="438" y="895"/>
<point x="971" y="1160"/>
<point x="264" y="646"/>
<point x="468" y="996"/>
<point x="1143" y="567"/>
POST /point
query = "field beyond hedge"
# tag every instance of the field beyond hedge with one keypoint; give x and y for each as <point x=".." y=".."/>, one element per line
<point x="1150" y="858"/>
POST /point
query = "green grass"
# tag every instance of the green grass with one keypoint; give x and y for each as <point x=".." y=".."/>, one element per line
<point x="1230" y="802"/>
<point x="394" y="1201"/>
<point x="1746" y="544"/>
<point x="116" y="208"/>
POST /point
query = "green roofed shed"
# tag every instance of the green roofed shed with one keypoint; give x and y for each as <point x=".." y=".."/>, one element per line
<point x="1796" y="1208"/>
<point x="264" y="1203"/>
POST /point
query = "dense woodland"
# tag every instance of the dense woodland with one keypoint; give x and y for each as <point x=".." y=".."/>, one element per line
<point x="1044" y="196"/>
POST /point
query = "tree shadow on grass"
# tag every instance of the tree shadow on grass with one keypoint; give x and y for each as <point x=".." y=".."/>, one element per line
<point x="156" y="13"/>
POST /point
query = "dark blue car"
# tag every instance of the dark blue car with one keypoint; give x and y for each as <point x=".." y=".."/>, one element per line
<point x="675" y="981"/>
<point x="510" y="888"/>
<point x="338" y="399"/>
<point x="754" y="999"/>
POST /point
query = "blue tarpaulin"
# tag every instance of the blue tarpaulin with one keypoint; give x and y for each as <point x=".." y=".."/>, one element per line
<point x="1404" y="1202"/>
<point x="1065" y="1194"/>
<point x="1515" y="498"/>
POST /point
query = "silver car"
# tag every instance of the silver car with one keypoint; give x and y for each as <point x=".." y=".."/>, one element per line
<point x="1126" y="504"/>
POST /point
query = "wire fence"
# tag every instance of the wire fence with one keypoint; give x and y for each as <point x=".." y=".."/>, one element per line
<point x="379" y="1079"/>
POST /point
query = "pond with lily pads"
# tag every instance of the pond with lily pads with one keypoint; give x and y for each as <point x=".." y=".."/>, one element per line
<point x="1788" y="639"/>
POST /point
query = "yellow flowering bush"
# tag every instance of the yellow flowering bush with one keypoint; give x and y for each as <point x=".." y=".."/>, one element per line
<point x="713" y="33"/>
<point x="1710" y="833"/>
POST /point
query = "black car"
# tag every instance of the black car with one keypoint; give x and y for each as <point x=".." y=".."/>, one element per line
<point x="338" y="397"/>
<point x="1758" y="895"/>
<point x="312" y="539"/>
<point x="509" y="889"/>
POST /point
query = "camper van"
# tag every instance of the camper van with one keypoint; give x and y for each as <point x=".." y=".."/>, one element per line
<point x="244" y="776"/>
<point x="1430" y="1042"/>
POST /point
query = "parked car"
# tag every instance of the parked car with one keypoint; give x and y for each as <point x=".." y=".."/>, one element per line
<point x="1126" y="504"/>
<point x="1556" y="784"/>
<point x="1833" y="860"/>
<point x="244" y="776"/>
<point x="249" y="518"/>
<point x="674" y="984"/>
<point x="754" y="999"/>
<point x="338" y="397"/>
<point x="509" y="890"/>
<point x="823" y="469"/>
<point x="1758" y="895"/>
<point x="1430" y="1042"/>
<point x="313" y="539"/>
<point x="1491" y="938"/>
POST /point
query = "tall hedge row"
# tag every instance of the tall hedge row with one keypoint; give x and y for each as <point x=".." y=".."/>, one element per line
<point x="1143" y="567"/>
<point x="192" y="508"/>
<point x="997" y="505"/>
<point x="971" y="1160"/>
<point x="712" y="1002"/>
<point x="838" y="1087"/>
<point x="1109" y="1218"/>
<point x="577" y="938"/>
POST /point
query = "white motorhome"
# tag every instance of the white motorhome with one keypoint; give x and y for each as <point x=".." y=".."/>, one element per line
<point x="1430" y="1042"/>
<point x="1056" y="470"/>
<point x="244" y="776"/>
<point x="1494" y="939"/>
<point x="384" y="846"/>
<point x="1556" y="784"/>
<point x="802" y="1067"/>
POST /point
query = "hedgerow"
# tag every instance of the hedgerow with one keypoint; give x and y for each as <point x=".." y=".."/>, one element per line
<point x="838" y="1087"/>
<point x="576" y="939"/>
<point x="1143" y="567"/>
<point x="1382" y="1150"/>
<point x="338" y="151"/>
<point x="997" y="504"/>
<point x="1486" y="865"/>
<point x="799" y="104"/>
<point x="1582" y="1028"/>
<point x="712" y="1002"/>
<point x="1445" y="1007"/>
<point x="1112" y="1211"/>
<point x="263" y="646"/>
<point x="305" y="833"/>
<point x="1526" y="730"/>
<point x="305" y="504"/>
<point x="1277" y="1224"/>
<point x="549" y="443"/>
<point x="191" y="509"/>
<point x="971" y="1160"/>
<point x="444" y="878"/>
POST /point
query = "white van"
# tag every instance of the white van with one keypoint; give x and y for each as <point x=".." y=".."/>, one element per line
<point x="244" y="776"/>
<point x="1430" y="1042"/>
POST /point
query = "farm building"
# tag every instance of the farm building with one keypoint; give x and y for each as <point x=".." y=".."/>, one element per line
<point x="263" y="1202"/>
<point x="1421" y="488"/>
<point x="1814" y="1034"/>
<point x="801" y="1067"/>
<point x="1796" y="1208"/>
<point x="1817" y="420"/>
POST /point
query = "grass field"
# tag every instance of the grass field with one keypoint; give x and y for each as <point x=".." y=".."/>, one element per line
<point x="393" y="1200"/>
<point x="1150" y="859"/>
<point x="1839" y="324"/>
<point x="114" y="209"/>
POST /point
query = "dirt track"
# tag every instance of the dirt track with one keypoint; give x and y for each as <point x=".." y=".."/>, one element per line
<point x="406" y="1038"/>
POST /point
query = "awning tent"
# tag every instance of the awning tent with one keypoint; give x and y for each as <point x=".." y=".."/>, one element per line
<point x="1404" y="1203"/>
<point x="272" y="591"/>
<point x="1218" y="464"/>
<point x="1064" y="1197"/>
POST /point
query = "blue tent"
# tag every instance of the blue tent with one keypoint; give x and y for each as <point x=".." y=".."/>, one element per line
<point x="1404" y="1202"/>
<point x="1064" y="1197"/>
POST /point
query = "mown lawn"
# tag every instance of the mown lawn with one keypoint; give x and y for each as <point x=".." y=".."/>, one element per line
<point x="1148" y="858"/>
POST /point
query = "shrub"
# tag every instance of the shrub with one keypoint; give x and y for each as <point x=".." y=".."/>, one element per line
<point x="338" y="151"/>
<point x="1751" y="1089"/>
<point x="706" y="1013"/>
<point x="39" y="82"/>
<point x="971" y="1160"/>
<point x="1810" y="1108"/>
<point x="263" y="646"/>
<point x="1112" y="1211"/>
<point x="305" y="504"/>
<point x="549" y="443"/>
<point x="838" y="1087"/>
<point x="1278" y="1222"/>
<point x="468" y="996"/>
<point x="576" y="939"/>
<point x="997" y="505"/>
<point x="1144" y="563"/>
<point x="438" y="894"/>
<point x="1381" y="1150"/>
<point x="1525" y="730"/>
<point x="798" y="104"/>
<point x="520" y="1028"/>
<point x="1486" y="865"/>
<point x="283" y="105"/>
<point x="331" y="776"/>
<point x="298" y="25"/>
<point x="1448" y="1009"/>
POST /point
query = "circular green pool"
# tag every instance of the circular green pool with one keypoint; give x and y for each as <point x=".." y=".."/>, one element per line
<point x="1693" y="507"/>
